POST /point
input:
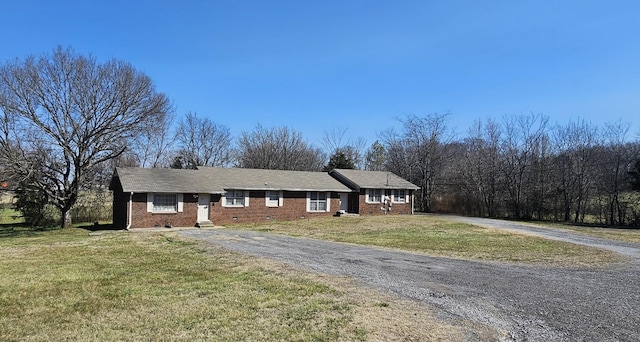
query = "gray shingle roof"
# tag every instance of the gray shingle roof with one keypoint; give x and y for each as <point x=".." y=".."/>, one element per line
<point x="361" y="179"/>
<point x="218" y="180"/>
<point x="258" y="179"/>
<point x="166" y="180"/>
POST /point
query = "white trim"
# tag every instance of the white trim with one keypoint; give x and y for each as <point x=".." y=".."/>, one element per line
<point x="130" y="210"/>
<point x="394" y="199"/>
<point x="328" y="201"/>
<point x="245" y="194"/>
<point x="149" y="202"/>
<point x="368" y="196"/>
<point x="269" y="203"/>
<point x="179" y="202"/>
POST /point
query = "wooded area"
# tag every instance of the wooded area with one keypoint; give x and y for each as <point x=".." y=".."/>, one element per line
<point x="68" y="120"/>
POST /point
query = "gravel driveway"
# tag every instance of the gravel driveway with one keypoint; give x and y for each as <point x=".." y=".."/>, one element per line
<point x="529" y="303"/>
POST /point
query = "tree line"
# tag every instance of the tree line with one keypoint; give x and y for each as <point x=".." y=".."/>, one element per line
<point x="67" y="120"/>
<point x="521" y="167"/>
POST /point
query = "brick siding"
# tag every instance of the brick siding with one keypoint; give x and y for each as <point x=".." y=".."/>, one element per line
<point x="374" y="208"/>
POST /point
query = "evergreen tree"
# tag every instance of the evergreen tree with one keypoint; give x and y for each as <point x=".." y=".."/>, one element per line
<point x="339" y="161"/>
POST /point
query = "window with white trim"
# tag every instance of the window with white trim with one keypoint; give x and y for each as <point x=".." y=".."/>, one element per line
<point x="318" y="201"/>
<point x="164" y="203"/>
<point x="374" y="196"/>
<point x="235" y="198"/>
<point x="273" y="198"/>
<point x="399" y="196"/>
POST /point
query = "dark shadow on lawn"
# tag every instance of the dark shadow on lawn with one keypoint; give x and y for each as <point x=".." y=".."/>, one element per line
<point x="21" y="229"/>
<point x="97" y="226"/>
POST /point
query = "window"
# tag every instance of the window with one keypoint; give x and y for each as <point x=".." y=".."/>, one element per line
<point x="399" y="196"/>
<point x="164" y="203"/>
<point x="273" y="198"/>
<point x="318" y="201"/>
<point x="235" y="198"/>
<point x="375" y="196"/>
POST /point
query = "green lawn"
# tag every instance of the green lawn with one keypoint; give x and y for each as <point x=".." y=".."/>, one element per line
<point x="120" y="286"/>
<point x="441" y="237"/>
<point x="10" y="216"/>
<point x="620" y="234"/>
<point x="75" y="285"/>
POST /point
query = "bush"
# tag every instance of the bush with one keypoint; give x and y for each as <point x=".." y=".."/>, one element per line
<point x="92" y="206"/>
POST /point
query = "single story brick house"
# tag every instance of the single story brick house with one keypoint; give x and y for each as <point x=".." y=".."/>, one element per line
<point x="375" y="192"/>
<point x="144" y="197"/>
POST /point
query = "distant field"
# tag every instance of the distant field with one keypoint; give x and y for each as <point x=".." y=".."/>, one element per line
<point x="10" y="216"/>
<point x="441" y="237"/>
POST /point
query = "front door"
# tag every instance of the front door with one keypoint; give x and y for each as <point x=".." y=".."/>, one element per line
<point x="344" y="202"/>
<point x="203" y="207"/>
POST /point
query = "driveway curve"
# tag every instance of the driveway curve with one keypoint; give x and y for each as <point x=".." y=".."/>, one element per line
<point x="528" y="303"/>
<point x="625" y="248"/>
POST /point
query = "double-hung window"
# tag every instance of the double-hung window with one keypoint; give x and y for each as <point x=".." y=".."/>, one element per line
<point x="399" y="196"/>
<point x="164" y="203"/>
<point x="375" y="196"/>
<point x="273" y="198"/>
<point x="234" y="198"/>
<point x="318" y="201"/>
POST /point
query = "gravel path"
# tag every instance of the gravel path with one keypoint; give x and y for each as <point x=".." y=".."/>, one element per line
<point x="529" y="303"/>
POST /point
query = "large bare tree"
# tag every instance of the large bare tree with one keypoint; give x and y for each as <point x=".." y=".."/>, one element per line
<point x="202" y="142"/>
<point x="64" y="114"/>
<point x="278" y="148"/>
<point x="420" y="152"/>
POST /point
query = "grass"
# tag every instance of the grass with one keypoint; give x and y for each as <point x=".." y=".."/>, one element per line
<point x="442" y="237"/>
<point x="10" y="216"/>
<point x="73" y="285"/>
<point x="619" y="234"/>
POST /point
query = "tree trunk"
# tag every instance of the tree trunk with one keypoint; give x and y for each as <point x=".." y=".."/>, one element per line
<point x="66" y="218"/>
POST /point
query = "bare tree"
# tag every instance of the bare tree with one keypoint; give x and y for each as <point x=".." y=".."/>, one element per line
<point x="421" y="151"/>
<point x="521" y="147"/>
<point x="73" y="113"/>
<point x="151" y="148"/>
<point x="337" y="142"/>
<point x="614" y="163"/>
<point x="279" y="148"/>
<point x="575" y="159"/>
<point x="482" y="164"/>
<point x="202" y="142"/>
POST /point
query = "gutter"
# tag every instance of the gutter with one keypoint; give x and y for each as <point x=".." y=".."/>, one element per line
<point x="130" y="209"/>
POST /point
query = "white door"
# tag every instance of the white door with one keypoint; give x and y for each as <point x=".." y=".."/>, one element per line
<point x="203" y="207"/>
<point x="344" y="202"/>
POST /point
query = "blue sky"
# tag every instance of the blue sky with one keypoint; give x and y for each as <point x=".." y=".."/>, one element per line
<point x="317" y="66"/>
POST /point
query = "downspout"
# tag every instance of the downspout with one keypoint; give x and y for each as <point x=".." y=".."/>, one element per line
<point x="130" y="209"/>
<point x="413" y="200"/>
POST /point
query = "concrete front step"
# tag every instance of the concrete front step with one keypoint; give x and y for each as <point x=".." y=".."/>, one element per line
<point x="205" y="224"/>
<point x="348" y="214"/>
